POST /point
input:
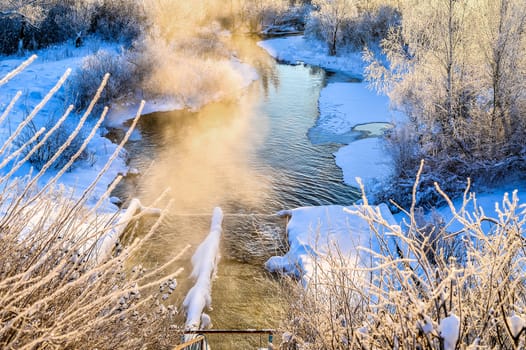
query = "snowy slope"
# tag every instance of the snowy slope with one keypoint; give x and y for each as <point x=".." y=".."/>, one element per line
<point x="34" y="83"/>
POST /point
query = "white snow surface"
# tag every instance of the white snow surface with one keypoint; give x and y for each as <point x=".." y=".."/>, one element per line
<point x="449" y="329"/>
<point x="346" y="105"/>
<point x="516" y="323"/>
<point x="298" y="49"/>
<point x="204" y="262"/>
<point x="316" y="232"/>
<point x="364" y="159"/>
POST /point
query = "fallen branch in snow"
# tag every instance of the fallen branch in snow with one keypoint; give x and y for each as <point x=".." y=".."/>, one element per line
<point x="204" y="262"/>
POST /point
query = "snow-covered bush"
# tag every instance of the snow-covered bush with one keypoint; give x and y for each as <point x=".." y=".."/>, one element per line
<point x="118" y="20"/>
<point x="51" y="146"/>
<point x="39" y="23"/>
<point x="420" y="293"/>
<point x="124" y="78"/>
<point x="258" y="14"/>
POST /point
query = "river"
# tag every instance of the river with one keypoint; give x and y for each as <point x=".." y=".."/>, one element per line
<point x="252" y="156"/>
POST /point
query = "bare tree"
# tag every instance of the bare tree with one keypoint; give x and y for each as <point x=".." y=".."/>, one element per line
<point x="331" y="15"/>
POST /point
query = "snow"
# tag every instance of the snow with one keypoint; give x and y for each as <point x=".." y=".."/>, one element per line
<point x="204" y="262"/>
<point x="449" y="329"/>
<point x="346" y="105"/>
<point x="426" y="325"/>
<point x="318" y="232"/>
<point x="364" y="159"/>
<point x="34" y="82"/>
<point x="108" y="241"/>
<point x="516" y="324"/>
<point x="298" y="49"/>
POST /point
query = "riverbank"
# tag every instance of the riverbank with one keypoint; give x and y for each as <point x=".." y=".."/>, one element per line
<point x="35" y="81"/>
<point x="342" y="107"/>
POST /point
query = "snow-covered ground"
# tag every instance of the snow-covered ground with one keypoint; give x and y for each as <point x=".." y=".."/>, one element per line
<point x="344" y="106"/>
<point x="298" y="49"/>
<point x="321" y="231"/>
<point x="34" y="83"/>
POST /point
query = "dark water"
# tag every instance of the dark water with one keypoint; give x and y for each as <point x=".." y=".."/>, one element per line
<point x="250" y="156"/>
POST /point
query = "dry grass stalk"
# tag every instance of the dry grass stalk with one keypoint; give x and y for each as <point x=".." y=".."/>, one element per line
<point x="53" y="293"/>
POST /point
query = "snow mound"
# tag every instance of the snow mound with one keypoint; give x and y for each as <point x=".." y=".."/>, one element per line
<point x="323" y="230"/>
<point x="449" y="330"/>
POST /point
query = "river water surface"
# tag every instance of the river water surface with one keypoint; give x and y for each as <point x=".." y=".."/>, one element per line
<point x="252" y="157"/>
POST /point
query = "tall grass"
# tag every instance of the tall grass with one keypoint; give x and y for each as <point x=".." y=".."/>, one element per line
<point x="57" y="290"/>
<point x="425" y="287"/>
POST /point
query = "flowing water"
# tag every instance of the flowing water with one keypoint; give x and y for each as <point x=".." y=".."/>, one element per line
<point x="252" y="157"/>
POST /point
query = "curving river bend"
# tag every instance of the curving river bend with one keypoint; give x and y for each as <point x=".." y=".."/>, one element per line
<point x="252" y="157"/>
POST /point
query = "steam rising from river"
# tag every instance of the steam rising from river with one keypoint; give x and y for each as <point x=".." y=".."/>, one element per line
<point x="206" y="158"/>
<point x="193" y="57"/>
<point x="189" y="53"/>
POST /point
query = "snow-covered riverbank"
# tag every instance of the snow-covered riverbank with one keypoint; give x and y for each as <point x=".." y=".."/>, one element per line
<point x="35" y="82"/>
<point x="342" y="107"/>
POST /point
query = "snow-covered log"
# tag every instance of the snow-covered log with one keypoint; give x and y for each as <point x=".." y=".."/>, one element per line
<point x="204" y="262"/>
<point x="108" y="241"/>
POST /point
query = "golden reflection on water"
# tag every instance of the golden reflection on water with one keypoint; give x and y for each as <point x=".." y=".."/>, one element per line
<point x="205" y="161"/>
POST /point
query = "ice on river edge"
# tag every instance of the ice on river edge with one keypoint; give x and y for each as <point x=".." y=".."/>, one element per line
<point x="315" y="233"/>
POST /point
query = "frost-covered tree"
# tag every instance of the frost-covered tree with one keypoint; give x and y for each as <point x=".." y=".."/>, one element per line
<point x="455" y="68"/>
<point x="331" y="15"/>
<point x="501" y="59"/>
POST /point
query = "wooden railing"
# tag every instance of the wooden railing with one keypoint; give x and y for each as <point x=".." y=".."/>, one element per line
<point x="199" y="343"/>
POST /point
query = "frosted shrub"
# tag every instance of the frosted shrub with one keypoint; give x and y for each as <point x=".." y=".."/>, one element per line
<point x="52" y="146"/>
<point x="416" y="294"/>
<point x="45" y="22"/>
<point x="346" y="24"/>
<point x="118" y="20"/>
<point x="124" y="78"/>
<point x="258" y="14"/>
<point x="58" y="287"/>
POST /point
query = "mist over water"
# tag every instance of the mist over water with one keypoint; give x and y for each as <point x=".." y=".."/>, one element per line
<point x="204" y="157"/>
